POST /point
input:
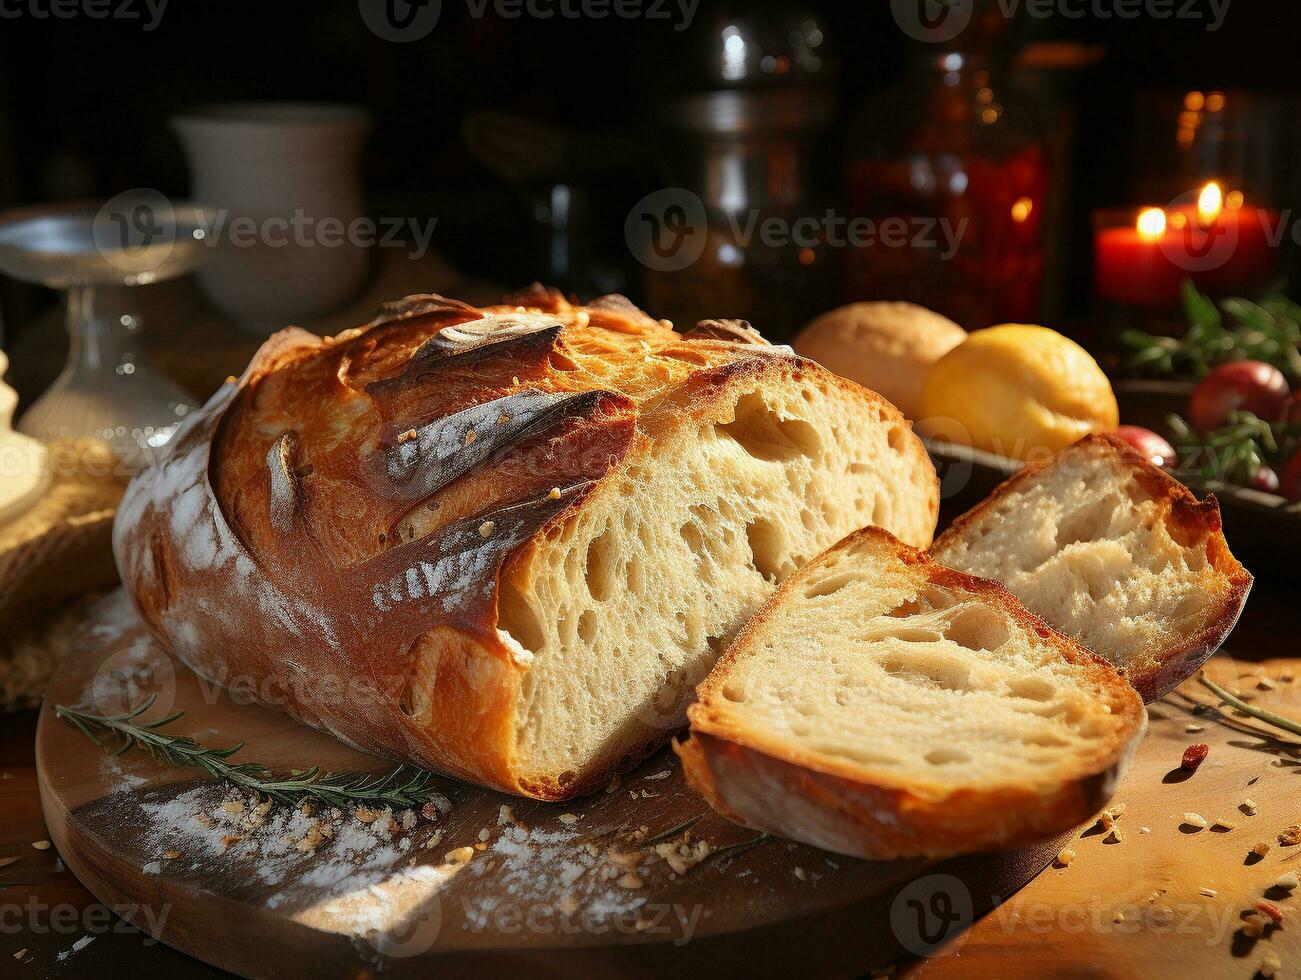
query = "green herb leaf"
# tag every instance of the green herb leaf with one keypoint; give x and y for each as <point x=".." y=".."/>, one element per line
<point x="400" y="788"/>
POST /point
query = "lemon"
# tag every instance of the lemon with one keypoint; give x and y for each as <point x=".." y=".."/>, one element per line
<point x="1017" y="390"/>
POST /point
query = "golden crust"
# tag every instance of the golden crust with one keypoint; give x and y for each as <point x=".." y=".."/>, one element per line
<point x="313" y="538"/>
<point x="766" y="782"/>
<point x="1188" y="519"/>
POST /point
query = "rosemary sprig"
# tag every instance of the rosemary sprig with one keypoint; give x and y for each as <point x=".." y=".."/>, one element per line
<point x="402" y="787"/>
<point x="1234" y="453"/>
<point x="1278" y="721"/>
<point x="1267" y="331"/>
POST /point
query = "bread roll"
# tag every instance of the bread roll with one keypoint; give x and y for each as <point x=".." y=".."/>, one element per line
<point x="504" y="543"/>
<point x="885" y="347"/>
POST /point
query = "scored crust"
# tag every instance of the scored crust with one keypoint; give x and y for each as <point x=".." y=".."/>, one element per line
<point x="765" y="780"/>
<point x="359" y="530"/>
<point x="1165" y="654"/>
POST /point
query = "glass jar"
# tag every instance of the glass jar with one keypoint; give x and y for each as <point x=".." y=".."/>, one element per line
<point x="957" y="158"/>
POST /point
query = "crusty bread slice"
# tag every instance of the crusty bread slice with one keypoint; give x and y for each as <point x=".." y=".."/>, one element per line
<point x="883" y="706"/>
<point x="1115" y="553"/>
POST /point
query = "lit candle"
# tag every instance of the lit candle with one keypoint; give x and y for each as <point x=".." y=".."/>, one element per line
<point x="1219" y="242"/>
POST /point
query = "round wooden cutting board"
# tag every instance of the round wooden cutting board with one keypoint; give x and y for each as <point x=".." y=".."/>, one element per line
<point x="547" y="888"/>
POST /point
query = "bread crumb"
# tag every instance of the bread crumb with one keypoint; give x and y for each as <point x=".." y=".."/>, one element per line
<point x="801" y="874"/>
<point x="234" y="806"/>
<point x="1253" y="925"/>
<point x="484" y="834"/>
<point x="228" y="839"/>
<point x="1208" y="892"/>
<point x="568" y="819"/>
<point x="171" y="854"/>
<point x="21" y="953"/>
<point x="1288" y="881"/>
<point x="505" y="816"/>
<point x="1291" y="836"/>
<point x="471" y="436"/>
<point x="1064" y="857"/>
<point x="554" y="494"/>
<point x="1196" y="820"/>
<point x="1270" y="965"/>
<point x="1248" y="807"/>
<point x="481" y="846"/>
<point x="407" y="436"/>
<point x="1226" y="824"/>
<point x="459" y="855"/>
<point x="630" y="879"/>
<point x="1261" y="848"/>
<point x="366" y="814"/>
<point x="41" y="845"/>
<point x="622" y="859"/>
<point x="486" y="529"/>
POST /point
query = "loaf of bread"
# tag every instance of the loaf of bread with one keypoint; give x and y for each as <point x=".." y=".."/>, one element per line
<point x="886" y="347"/>
<point x="504" y="543"/>
<point x="1112" y="551"/>
<point x="884" y="706"/>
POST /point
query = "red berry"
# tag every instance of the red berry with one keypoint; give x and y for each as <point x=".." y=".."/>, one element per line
<point x="1148" y="444"/>
<point x="1265" y="480"/>
<point x="1193" y="756"/>
<point x="1247" y="386"/>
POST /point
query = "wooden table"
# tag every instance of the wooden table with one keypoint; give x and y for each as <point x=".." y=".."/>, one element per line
<point x="1061" y="925"/>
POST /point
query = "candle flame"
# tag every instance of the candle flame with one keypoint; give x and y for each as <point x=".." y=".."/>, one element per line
<point x="1021" y="209"/>
<point x="1210" y="203"/>
<point x="1151" y="223"/>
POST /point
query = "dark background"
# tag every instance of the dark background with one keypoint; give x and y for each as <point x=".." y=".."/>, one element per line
<point x="85" y="102"/>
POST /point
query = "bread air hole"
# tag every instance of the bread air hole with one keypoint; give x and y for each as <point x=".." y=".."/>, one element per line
<point x="927" y="670"/>
<point x="767" y="546"/>
<point x="1032" y="689"/>
<point x="516" y="617"/>
<point x="945" y="757"/>
<point x="830" y="586"/>
<point x="600" y="567"/>
<point x="763" y="434"/>
<point x="977" y="628"/>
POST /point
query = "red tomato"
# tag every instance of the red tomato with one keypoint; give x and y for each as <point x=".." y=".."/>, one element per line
<point x="1149" y="444"/>
<point x="1290" y="484"/>
<point x="1249" y="386"/>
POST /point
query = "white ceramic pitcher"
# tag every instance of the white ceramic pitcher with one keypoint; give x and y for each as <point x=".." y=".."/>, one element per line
<point x="280" y="169"/>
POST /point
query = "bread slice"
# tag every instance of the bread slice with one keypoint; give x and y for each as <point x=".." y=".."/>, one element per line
<point x="884" y="706"/>
<point x="1112" y="551"/>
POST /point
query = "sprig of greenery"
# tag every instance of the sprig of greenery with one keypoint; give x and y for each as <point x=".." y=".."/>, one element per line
<point x="1278" y="721"/>
<point x="1234" y="453"/>
<point x="1268" y="331"/>
<point x="402" y="787"/>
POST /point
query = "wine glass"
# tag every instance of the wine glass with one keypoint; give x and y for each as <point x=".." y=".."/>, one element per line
<point x="99" y="257"/>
